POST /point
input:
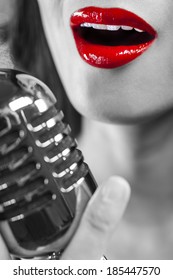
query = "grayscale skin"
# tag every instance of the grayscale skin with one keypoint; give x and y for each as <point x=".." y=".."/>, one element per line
<point x="139" y="94"/>
<point x="136" y="100"/>
<point x="45" y="184"/>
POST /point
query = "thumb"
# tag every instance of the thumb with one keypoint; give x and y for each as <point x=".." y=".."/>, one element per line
<point x="4" y="255"/>
<point x="103" y="213"/>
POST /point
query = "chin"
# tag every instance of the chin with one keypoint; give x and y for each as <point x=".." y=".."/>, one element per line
<point x="128" y="116"/>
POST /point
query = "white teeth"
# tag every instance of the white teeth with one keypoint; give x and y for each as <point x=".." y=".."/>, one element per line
<point x="113" y="27"/>
<point x="85" y="24"/>
<point x="99" y="26"/>
<point x="124" y="27"/>
<point x="138" y="30"/>
<point x="109" y="27"/>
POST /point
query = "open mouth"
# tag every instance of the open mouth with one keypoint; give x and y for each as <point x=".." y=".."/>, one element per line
<point x="113" y="35"/>
<point x="110" y="37"/>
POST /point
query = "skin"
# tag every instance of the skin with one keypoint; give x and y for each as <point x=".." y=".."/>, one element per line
<point x="122" y="94"/>
<point x="139" y="94"/>
<point x="96" y="228"/>
<point x="101" y="215"/>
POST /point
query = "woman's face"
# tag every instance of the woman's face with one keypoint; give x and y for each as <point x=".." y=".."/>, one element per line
<point x="100" y="84"/>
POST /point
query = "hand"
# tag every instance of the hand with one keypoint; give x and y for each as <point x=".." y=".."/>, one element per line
<point x="4" y="255"/>
<point x="99" y="222"/>
<point x="103" y="213"/>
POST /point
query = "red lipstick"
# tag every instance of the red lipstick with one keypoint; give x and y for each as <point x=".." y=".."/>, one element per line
<point x="110" y="37"/>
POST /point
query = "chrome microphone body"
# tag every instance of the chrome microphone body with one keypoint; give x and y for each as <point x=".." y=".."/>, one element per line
<point x="45" y="184"/>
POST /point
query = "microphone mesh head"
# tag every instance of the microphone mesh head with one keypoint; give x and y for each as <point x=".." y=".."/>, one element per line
<point x="41" y="168"/>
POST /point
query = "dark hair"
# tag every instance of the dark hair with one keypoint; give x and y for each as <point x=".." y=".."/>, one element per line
<point x="31" y="53"/>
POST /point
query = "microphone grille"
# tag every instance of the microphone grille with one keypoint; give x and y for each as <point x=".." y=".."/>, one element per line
<point x="40" y="165"/>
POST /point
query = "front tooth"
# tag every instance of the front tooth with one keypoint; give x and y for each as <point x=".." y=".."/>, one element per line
<point x="99" y="26"/>
<point x="113" y="27"/>
<point x="138" y="30"/>
<point x="125" y="27"/>
<point x="102" y="26"/>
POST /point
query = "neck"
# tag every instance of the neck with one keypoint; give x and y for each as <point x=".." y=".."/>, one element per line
<point x="143" y="154"/>
<point x="152" y="146"/>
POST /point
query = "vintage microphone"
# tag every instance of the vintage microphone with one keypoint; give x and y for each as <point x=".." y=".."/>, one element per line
<point x="44" y="182"/>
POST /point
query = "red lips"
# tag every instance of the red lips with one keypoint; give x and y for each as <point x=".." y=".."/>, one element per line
<point x="110" y="37"/>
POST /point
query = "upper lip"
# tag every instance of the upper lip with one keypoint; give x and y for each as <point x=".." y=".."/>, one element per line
<point x="110" y="16"/>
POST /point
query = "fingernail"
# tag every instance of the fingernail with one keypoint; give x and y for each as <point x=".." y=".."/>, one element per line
<point x="115" y="189"/>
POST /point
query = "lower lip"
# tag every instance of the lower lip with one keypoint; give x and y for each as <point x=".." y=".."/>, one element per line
<point x="108" y="57"/>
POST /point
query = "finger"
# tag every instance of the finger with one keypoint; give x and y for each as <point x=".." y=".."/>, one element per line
<point x="99" y="221"/>
<point x="4" y="254"/>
